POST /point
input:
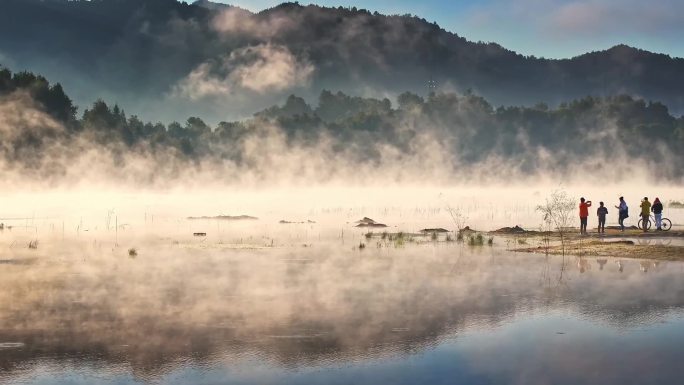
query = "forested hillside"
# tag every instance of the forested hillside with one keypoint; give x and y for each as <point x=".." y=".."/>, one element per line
<point x="169" y="59"/>
<point x="455" y="132"/>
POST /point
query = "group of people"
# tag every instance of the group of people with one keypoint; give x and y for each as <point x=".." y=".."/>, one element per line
<point x="623" y="213"/>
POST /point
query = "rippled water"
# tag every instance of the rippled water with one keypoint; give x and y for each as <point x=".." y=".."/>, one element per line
<point x="329" y="313"/>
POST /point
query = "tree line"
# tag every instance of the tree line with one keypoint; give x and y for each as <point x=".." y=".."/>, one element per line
<point x="470" y="128"/>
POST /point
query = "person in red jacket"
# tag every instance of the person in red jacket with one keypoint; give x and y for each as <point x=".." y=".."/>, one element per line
<point x="584" y="214"/>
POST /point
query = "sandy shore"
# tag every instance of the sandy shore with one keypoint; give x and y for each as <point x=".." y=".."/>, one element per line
<point x="667" y="246"/>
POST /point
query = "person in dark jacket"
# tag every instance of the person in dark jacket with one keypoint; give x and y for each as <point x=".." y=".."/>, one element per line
<point x="657" y="209"/>
<point x="602" y="211"/>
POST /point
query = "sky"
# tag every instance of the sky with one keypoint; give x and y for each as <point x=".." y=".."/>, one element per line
<point x="547" y="28"/>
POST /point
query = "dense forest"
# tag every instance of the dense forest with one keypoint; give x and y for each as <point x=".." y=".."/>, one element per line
<point x="173" y="59"/>
<point x="42" y="132"/>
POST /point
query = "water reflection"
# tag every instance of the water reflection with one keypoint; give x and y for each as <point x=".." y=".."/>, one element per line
<point x="601" y="262"/>
<point x="288" y="309"/>
<point x="583" y="264"/>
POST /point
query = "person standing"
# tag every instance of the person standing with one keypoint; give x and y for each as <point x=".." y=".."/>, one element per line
<point x="602" y="211"/>
<point x="584" y="214"/>
<point x="657" y="209"/>
<point x="623" y="213"/>
<point x="645" y="212"/>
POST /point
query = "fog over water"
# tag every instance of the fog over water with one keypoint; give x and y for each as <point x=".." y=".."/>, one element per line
<point x="209" y="311"/>
<point x="408" y="207"/>
<point x="260" y="301"/>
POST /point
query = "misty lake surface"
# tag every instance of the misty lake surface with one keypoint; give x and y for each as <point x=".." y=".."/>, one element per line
<point x="184" y="313"/>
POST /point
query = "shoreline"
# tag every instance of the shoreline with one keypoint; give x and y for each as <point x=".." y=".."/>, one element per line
<point x="614" y="243"/>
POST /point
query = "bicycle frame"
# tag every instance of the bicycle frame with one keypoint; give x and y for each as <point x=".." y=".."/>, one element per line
<point x="652" y="221"/>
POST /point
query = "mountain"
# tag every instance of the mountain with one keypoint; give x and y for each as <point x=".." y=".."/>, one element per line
<point x="164" y="59"/>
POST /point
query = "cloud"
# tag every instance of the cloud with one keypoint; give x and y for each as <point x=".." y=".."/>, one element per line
<point x="260" y="69"/>
<point x="564" y="28"/>
<point x="202" y="83"/>
<point x="581" y="16"/>
<point x="20" y="117"/>
<point x="269" y="67"/>
<point x="591" y="17"/>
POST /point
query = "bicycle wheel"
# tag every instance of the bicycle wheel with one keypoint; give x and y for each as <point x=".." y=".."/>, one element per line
<point x="666" y="224"/>
<point x="641" y="223"/>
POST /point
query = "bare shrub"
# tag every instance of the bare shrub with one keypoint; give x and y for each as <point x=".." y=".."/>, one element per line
<point x="556" y="212"/>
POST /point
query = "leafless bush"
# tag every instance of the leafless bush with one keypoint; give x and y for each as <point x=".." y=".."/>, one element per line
<point x="556" y="212"/>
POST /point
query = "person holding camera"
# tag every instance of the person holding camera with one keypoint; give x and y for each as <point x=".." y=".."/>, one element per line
<point x="584" y="214"/>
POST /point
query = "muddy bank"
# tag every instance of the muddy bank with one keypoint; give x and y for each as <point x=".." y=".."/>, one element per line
<point x="573" y="232"/>
<point x="610" y="248"/>
<point x="631" y="243"/>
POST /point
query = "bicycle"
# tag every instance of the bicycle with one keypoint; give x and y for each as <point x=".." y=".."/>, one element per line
<point x="665" y="224"/>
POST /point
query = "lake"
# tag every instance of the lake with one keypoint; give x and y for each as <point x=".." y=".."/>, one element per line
<point x="183" y="311"/>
